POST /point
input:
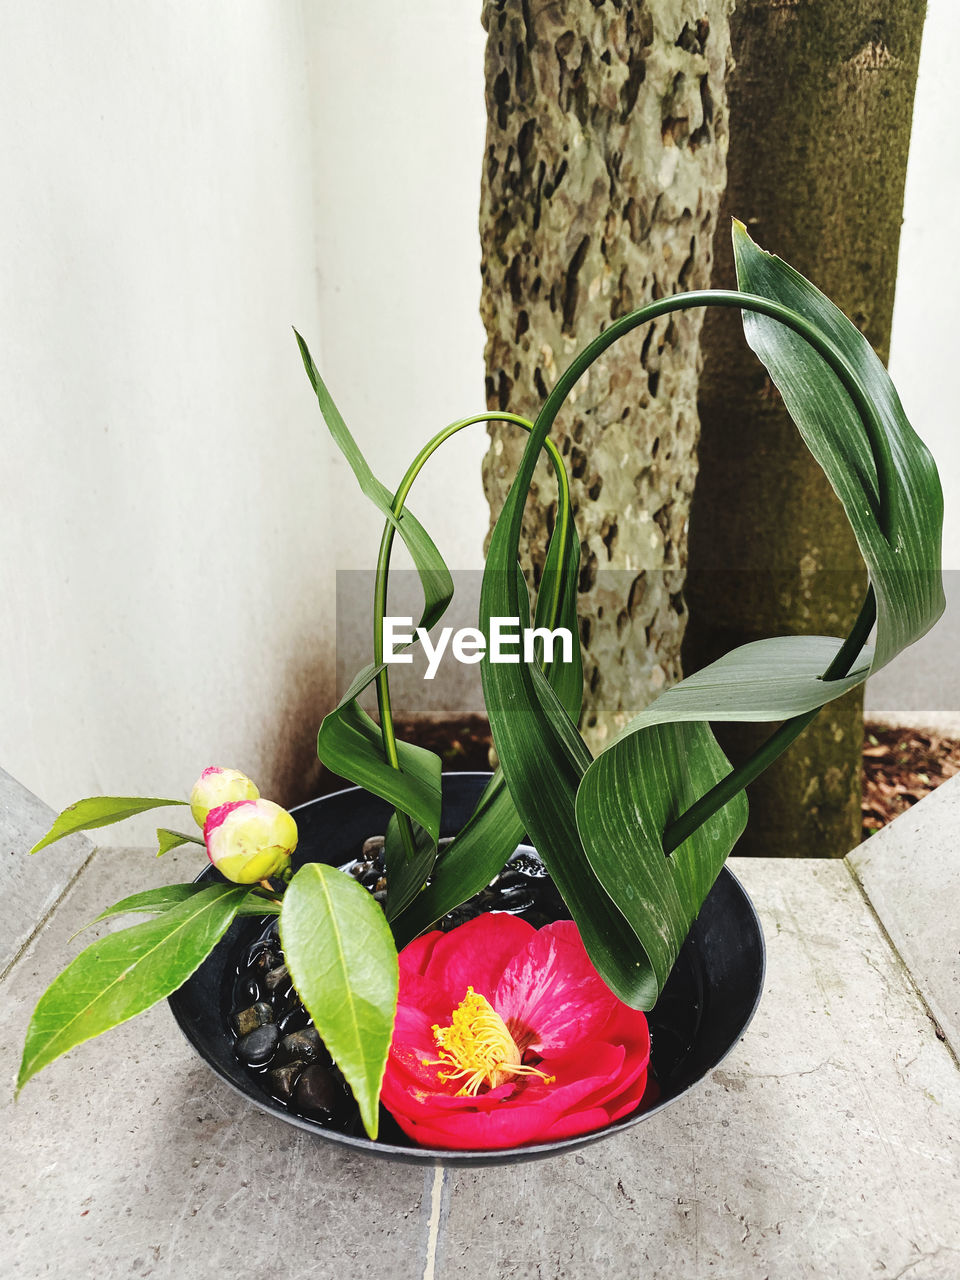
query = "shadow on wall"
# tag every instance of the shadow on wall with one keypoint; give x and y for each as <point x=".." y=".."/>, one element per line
<point x="307" y="694"/>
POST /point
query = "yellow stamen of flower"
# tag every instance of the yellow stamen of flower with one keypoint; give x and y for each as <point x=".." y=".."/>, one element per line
<point x="477" y="1048"/>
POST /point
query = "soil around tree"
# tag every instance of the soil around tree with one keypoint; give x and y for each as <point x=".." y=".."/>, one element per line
<point x="900" y="765"/>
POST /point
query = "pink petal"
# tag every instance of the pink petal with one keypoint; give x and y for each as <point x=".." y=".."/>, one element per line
<point x="475" y="954"/>
<point x="415" y="956"/>
<point x="426" y="995"/>
<point x="550" y="995"/>
<point x="573" y="1123"/>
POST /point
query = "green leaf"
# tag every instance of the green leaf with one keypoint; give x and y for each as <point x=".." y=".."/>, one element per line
<point x="345" y="744"/>
<point x="766" y="680"/>
<point x="156" y="901"/>
<point x="349" y="743"/>
<point x="543" y="760"/>
<point x="174" y="839"/>
<point x="405" y="875"/>
<point x="904" y="570"/>
<point x="341" y="956"/>
<point x="608" y="842"/>
<point x="494" y="830"/>
<point x="476" y="855"/>
<point x="124" y="973"/>
<point x="433" y="573"/>
<point x="98" y="811"/>
<point x="667" y="757"/>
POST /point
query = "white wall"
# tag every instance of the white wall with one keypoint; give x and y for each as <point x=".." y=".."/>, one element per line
<point x="400" y="121"/>
<point x="924" y="343"/>
<point x="924" y="355"/>
<point x="166" y="573"/>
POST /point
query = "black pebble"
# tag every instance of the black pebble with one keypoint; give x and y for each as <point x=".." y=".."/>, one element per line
<point x="305" y="1045"/>
<point x="296" y="1020"/>
<point x="247" y="1020"/>
<point x="277" y="977"/>
<point x="527" y="865"/>
<point x="257" y="1047"/>
<point x="536" y="918"/>
<point x="319" y="1095"/>
<point x="512" y="880"/>
<point x="281" y="1080"/>
<point x="516" y="898"/>
<point x="266" y="958"/>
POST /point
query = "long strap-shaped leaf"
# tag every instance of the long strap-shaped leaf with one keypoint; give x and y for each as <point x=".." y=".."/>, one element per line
<point x="349" y="741"/>
<point x="407" y="777"/>
<point x="626" y="801"/>
<point x="433" y="573"/>
<point x="495" y="828"/>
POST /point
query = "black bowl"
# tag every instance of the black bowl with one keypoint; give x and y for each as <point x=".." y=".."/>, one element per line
<point x="705" y="1007"/>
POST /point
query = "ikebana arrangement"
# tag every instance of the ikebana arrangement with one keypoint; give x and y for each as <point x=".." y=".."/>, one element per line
<point x="510" y="1025"/>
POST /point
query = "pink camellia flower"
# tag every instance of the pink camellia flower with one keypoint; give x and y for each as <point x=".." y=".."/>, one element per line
<point x="249" y="840"/>
<point x="506" y="1035"/>
<point x="217" y="786"/>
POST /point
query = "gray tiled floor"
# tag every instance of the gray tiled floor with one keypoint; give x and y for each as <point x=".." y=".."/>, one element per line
<point x="828" y="1144"/>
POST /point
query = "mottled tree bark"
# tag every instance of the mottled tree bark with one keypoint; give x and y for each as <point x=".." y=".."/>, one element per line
<point x="605" y="161"/>
<point x="820" y="107"/>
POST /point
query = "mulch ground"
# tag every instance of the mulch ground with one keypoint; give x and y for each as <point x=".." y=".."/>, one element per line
<point x="900" y="766"/>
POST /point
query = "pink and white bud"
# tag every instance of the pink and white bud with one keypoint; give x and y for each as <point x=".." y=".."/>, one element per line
<point x="217" y="786"/>
<point x="249" y="840"/>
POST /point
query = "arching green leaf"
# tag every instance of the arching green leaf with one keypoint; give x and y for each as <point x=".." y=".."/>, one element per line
<point x="667" y="756"/>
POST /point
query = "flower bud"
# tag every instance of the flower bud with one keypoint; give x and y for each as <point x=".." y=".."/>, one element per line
<point x="249" y="840"/>
<point x="217" y="786"/>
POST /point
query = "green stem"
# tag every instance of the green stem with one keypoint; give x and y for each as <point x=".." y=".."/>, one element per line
<point x="887" y="487"/>
<point x="387" y="731"/>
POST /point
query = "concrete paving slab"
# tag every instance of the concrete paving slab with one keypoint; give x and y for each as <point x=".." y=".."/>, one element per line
<point x="30" y="886"/>
<point x="910" y="871"/>
<point x="827" y="1144"/>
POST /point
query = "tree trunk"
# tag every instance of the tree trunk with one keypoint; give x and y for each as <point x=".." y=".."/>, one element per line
<point x="605" y="161"/>
<point x="820" y="106"/>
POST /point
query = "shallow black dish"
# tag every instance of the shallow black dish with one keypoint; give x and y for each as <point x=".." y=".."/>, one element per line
<point x="704" y="1010"/>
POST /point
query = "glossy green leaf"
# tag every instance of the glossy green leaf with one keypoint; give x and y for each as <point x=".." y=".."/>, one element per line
<point x="156" y="901"/>
<point x="765" y="680"/>
<point x="168" y="840"/>
<point x="905" y="570"/>
<point x="98" y="811"/>
<point x="543" y="760"/>
<point x="475" y="856"/>
<point x="124" y="973"/>
<point x="341" y="956"/>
